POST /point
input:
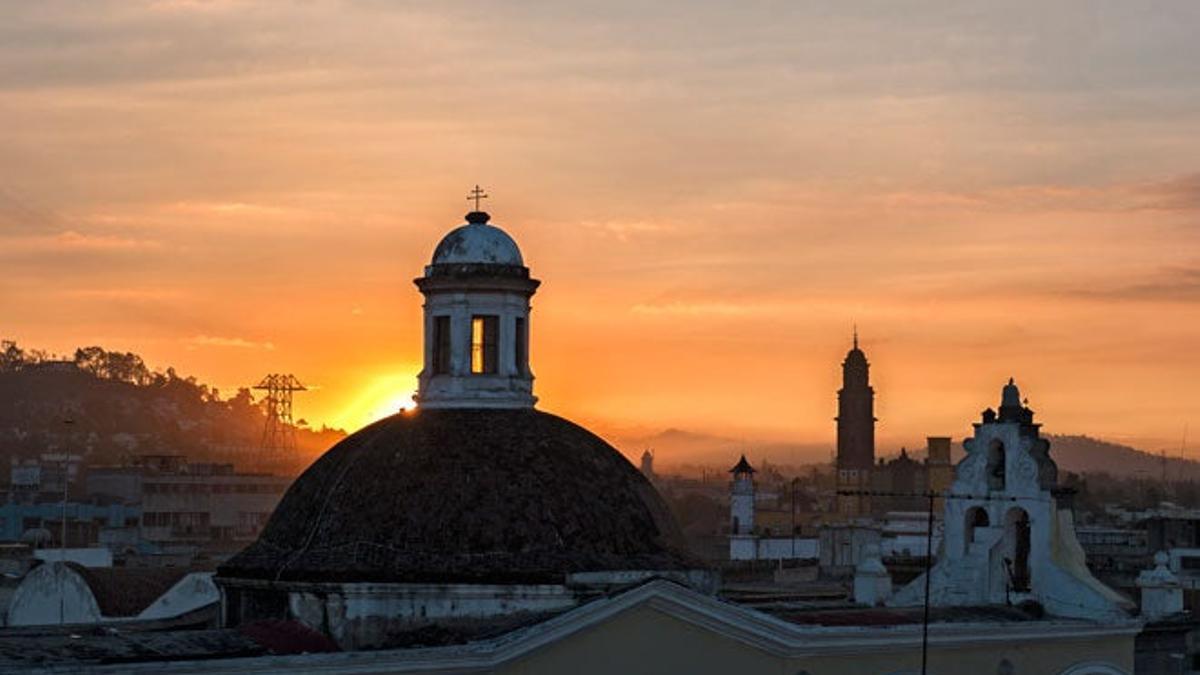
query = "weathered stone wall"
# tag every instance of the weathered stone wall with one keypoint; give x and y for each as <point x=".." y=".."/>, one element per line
<point x="359" y="616"/>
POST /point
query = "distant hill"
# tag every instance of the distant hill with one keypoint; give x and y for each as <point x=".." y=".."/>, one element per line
<point x="1084" y="454"/>
<point x="678" y="449"/>
<point x="109" y="407"/>
<point x="118" y="408"/>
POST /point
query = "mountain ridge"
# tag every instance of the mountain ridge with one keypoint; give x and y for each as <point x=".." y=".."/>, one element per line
<point x="1076" y="453"/>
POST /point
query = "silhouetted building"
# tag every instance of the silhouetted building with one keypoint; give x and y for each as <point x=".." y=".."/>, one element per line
<point x="477" y="534"/>
<point x="648" y="464"/>
<point x="473" y="508"/>
<point x="898" y="485"/>
<point x="938" y="469"/>
<point x="855" y="434"/>
<point x="903" y="483"/>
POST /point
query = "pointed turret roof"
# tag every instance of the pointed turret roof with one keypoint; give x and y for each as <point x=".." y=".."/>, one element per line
<point x="742" y="466"/>
<point x="855" y="356"/>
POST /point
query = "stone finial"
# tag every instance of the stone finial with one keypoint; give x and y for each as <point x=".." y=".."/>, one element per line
<point x="1010" y="396"/>
<point x="1162" y="594"/>
<point x="872" y="583"/>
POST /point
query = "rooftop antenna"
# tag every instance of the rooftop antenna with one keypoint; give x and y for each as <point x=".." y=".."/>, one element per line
<point x="1183" y="448"/>
<point x="930" y="495"/>
<point x="62" y="545"/>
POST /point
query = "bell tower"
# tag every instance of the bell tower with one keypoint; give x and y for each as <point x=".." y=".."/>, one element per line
<point x="1007" y="536"/>
<point x="477" y="292"/>
<point x="855" y="434"/>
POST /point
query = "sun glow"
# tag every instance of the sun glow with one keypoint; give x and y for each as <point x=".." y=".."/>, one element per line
<point x="400" y="403"/>
<point x="384" y="396"/>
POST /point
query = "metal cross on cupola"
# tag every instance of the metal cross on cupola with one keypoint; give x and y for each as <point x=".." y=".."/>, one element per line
<point x="477" y="194"/>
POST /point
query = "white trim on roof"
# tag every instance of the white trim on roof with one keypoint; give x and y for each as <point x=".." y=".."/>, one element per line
<point x="756" y="629"/>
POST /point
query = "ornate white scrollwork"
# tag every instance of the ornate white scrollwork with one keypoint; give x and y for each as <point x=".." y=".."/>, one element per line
<point x="1026" y="468"/>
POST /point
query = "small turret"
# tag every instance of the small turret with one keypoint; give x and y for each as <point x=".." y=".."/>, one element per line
<point x="741" y="498"/>
<point x="648" y="464"/>
<point x="1010" y="403"/>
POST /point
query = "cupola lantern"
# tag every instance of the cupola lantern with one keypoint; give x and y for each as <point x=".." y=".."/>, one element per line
<point x="477" y="292"/>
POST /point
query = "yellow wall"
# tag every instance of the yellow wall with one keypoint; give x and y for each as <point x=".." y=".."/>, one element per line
<point x="645" y="640"/>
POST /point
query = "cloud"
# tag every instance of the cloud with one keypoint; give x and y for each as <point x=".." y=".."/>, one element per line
<point x="698" y="309"/>
<point x="128" y="294"/>
<point x="78" y="240"/>
<point x="624" y="230"/>
<point x="1181" y="193"/>
<point x="74" y="241"/>
<point x="18" y="212"/>
<point x="1177" y="284"/>
<point x="231" y="342"/>
<point x="231" y="209"/>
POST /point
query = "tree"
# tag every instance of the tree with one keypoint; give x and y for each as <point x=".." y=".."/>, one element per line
<point x="12" y="357"/>
<point x="91" y="360"/>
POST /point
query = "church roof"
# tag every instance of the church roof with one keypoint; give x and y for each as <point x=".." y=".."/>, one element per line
<point x="127" y="591"/>
<point x="855" y="355"/>
<point x="465" y="495"/>
<point x="477" y="242"/>
<point x="743" y="467"/>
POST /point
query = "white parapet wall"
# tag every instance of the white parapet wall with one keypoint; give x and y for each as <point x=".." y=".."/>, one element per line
<point x="747" y="547"/>
<point x="88" y="557"/>
<point x="359" y="615"/>
<point x="190" y="593"/>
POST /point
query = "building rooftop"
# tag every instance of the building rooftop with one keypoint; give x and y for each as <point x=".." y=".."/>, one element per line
<point x="742" y="466"/>
<point x="898" y="616"/>
<point x="127" y="591"/>
<point x="106" y="645"/>
<point x="487" y="645"/>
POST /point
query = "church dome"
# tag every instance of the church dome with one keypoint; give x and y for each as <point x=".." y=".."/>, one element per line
<point x="477" y="242"/>
<point x="465" y="496"/>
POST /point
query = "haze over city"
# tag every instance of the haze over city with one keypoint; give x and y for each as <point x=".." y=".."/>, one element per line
<point x="719" y="196"/>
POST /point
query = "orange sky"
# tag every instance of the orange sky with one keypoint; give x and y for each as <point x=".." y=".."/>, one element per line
<point x="711" y="195"/>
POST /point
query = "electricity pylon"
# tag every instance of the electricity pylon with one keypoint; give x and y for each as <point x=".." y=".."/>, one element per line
<point x="279" y="430"/>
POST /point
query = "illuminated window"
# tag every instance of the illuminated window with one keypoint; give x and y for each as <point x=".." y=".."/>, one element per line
<point x="519" y="356"/>
<point x="484" y="347"/>
<point x="441" y="345"/>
